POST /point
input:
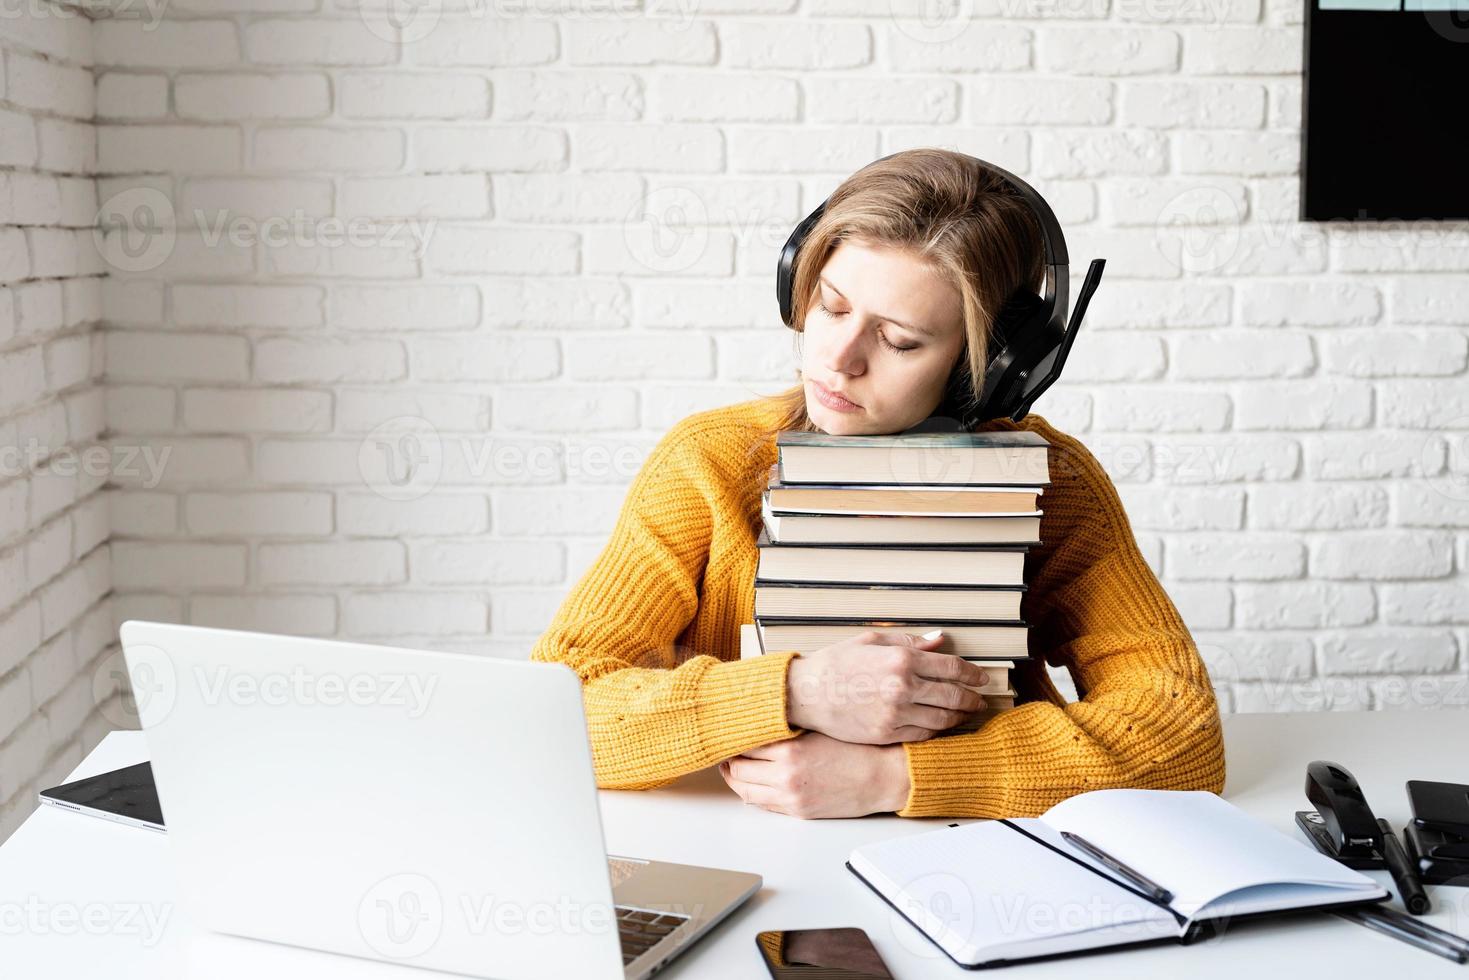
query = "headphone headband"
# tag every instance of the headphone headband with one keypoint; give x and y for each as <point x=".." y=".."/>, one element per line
<point x="1032" y="333"/>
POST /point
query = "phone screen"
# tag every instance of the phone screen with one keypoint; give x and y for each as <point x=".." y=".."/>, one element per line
<point x="832" y="954"/>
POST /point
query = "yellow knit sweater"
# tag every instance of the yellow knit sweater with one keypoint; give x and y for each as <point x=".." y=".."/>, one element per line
<point x="652" y="628"/>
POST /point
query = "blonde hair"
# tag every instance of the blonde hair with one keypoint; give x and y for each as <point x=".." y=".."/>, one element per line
<point x="950" y="210"/>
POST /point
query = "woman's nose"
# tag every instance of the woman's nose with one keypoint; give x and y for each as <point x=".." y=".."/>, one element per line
<point x="846" y="352"/>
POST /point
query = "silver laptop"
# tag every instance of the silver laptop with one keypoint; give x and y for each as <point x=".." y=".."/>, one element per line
<point x="430" y="809"/>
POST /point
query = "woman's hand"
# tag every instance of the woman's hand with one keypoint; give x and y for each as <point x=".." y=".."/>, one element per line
<point x="880" y="688"/>
<point x="814" y="775"/>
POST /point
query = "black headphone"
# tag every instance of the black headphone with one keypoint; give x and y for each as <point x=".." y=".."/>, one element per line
<point x="1032" y="334"/>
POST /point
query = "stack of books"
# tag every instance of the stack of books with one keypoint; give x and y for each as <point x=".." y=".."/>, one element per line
<point x="909" y="533"/>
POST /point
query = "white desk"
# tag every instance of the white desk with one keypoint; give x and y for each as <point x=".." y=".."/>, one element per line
<point x="65" y="864"/>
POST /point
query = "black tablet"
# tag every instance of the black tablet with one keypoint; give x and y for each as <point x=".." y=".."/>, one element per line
<point x="125" y="795"/>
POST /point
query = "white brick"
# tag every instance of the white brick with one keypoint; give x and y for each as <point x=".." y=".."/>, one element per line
<point x="1399" y="353"/>
<point x="1315" y="507"/>
<point x="125" y="95"/>
<point x="223" y="96"/>
<point x="137" y="42"/>
<point x="1425" y="604"/>
<point x="545" y="408"/>
<point x="883" y="100"/>
<point x="400" y="613"/>
<point x="332" y="563"/>
<point x="1235" y="557"/>
<point x="501" y="251"/>
<point x="1192" y="104"/>
<point x="484" y="42"/>
<point x="312" y="149"/>
<point x="241" y="514"/>
<point x="1377" y="454"/>
<point x="248" y="410"/>
<point x="1382" y="555"/>
<point x="1161" y="409"/>
<point x="438" y="513"/>
<point x="1304" y="605"/>
<point x="1241" y="353"/>
<point x="441" y="196"/>
<point x="504" y="358"/>
<point x="1418" y="651"/>
<point x="1238" y="154"/>
<point x="349" y="41"/>
<point x="398" y="95"/>
<point x="679" y="147"/>
<point x="563" y="198"/>
<point x="286" y="361"/>
<point x="1309" y="303"/>
<point x="366" y="409"/>
<point x="46" y="86"/>
<point x="1093" y="50"/>
<point x="794" y="44"/>
<point x="178" y="566"/>
<point x="568" y="95"/>
<point x="719" y="96"/>
<point x="202" y="199"/>
<point x="495" y="149"/>
<point x="1099" y="153"/>
<point x="1253" y="50"/>
<point x="128" y="149"/>
<point x="640" y="41"/>
<point x="1302" y="405"/>
<point x="295" y="615"/>
<point x="1040" y="101"/>
<point x="492" y="562"/>
<point x="1424" y="403"/>
<point x="579" y="303"/>
<point x="142" y="513"/>
<point x="175" y="356"/>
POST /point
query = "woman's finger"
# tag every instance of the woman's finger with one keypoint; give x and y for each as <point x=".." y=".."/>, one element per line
<point x="942" y="694"/>
<point x="757" y="771"/>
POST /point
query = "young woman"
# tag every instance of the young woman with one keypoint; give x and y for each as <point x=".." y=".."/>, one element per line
<point x="898" y="281"/>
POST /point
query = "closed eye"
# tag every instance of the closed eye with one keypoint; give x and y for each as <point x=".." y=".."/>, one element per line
<point x="880" y="336"/>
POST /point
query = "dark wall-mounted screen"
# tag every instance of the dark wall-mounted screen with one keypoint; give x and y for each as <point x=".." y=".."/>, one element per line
<point x="1384" y="121"/>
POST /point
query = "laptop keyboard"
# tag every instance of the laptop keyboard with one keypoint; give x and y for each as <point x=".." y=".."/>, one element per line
<point x="639" y="929"/>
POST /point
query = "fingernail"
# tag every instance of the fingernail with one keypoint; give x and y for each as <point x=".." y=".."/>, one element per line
<point x="984" y="678"/>
<point x="933" y="634"/>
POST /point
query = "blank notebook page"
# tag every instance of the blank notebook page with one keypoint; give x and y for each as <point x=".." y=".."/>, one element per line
<point x="984" y="887"/>
<point x="1201" y="848"/>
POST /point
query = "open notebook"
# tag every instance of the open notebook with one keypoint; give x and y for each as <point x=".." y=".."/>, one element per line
<point x="995" y="891"/>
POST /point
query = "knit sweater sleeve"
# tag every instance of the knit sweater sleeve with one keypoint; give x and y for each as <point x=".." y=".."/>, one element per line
<point x="1147" y="716"/>
<point x="655" y="710"/>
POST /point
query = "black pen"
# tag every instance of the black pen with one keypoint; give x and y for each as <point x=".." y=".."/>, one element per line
<point x="1430" y="932"/>
<point x="1391" y="927"/>
<point x="1156" y="891"/>
<point x="1404" y="875"/>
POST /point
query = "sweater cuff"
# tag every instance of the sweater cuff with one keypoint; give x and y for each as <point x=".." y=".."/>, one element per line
<point x="958" y="775"/>
<point x="742" y="703"/>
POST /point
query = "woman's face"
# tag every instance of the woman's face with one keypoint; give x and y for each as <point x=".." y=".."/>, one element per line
<point x="884" y="330"/>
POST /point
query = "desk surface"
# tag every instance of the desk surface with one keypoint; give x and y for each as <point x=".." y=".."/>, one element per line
<point x="77" y="893"/>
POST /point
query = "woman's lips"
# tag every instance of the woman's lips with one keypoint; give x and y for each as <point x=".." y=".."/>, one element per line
<point x="834" y="401"/>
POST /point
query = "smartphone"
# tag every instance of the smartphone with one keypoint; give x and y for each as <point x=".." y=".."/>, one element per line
<point x="124" y="795"/>
<point x="831" y="954"/>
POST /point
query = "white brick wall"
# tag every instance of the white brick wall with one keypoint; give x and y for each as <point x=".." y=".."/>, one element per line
<point x="55" y="567"/>
<point x="515" y="250"/>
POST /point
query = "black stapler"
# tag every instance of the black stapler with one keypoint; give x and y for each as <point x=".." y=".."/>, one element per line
<point x="1342" y="826"/>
